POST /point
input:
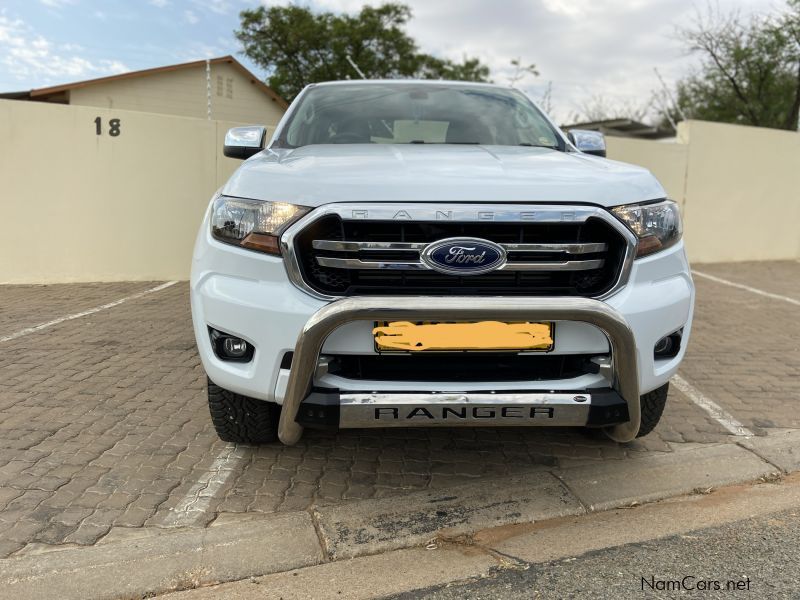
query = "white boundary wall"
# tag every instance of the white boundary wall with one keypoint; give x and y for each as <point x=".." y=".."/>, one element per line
<point x="78" y="206"/>
<point x="739" y="188"/>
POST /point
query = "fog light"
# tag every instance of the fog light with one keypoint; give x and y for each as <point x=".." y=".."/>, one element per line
<point x="668" y="346"/>
<point x="234" y="347"/>
<point x="663" y="346"/>
<point x="229" y="347"/>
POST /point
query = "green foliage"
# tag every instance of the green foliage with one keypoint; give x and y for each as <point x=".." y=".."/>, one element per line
<point x="521" y="71"/>
<point x="298" y="47"/>
<point x="750" y="70"/>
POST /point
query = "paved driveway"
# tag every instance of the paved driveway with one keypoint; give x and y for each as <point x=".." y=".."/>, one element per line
<point x="104" y="429"/>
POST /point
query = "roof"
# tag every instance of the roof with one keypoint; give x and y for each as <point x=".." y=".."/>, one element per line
<point x="410" y="82"/>
<point x="624" y="128"/>
<point x="43" y="93"/>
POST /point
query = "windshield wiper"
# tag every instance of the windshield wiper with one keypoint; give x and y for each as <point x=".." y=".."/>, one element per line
<point x="529" y="145"/>
<point x="526" y="144"/>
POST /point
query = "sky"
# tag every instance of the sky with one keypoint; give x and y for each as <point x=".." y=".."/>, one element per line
<point x="586" y="51"/>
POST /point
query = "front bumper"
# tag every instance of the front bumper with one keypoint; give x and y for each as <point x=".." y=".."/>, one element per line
<point x="403" y="308"/>
<point x="249" y="295"/>
<point x="334" y="410"/>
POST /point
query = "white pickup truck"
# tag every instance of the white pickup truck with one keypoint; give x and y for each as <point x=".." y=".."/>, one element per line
<point x="429" y="253"/>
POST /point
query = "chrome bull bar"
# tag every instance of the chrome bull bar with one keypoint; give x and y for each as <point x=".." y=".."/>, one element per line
<point x="625" y="375"/>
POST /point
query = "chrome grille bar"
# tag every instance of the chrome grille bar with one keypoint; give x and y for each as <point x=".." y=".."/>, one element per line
<point x="567" y="265"/>
<point x="357" y="246"/>
<point x="339" y="246"/>
<point x="355" y="263"/>
<point x="567" y="248"/>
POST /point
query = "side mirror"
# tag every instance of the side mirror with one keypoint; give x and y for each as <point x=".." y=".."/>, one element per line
<point x="244" y="142"/>
<point x="589" y="142"/>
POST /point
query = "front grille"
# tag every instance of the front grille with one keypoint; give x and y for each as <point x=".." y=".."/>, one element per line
<point x="462" y="366"/>
<point x="340" y="257"/>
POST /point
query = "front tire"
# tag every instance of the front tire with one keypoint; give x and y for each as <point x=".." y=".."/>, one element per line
<point x="652" y="406"/>
<point x="242" y="419"/>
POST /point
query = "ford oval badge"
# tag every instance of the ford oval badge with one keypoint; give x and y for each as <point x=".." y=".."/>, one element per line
<point x="464" y="256"/>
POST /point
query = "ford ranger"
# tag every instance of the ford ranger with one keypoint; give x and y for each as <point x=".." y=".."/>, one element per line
<point x="429" y="253"/>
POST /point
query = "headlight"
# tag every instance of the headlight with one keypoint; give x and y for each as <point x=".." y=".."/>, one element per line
<point x="658" y="225"/>
<point x="253" y="224"/>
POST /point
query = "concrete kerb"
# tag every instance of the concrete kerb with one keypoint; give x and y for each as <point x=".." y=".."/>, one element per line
<point x="374" y="526"/>
<point x="172" y="561"/>
<point x="781" y="449"/>
<point x="285" y="541"/>
<point x="602" y="487"/>
<point x="514" y="547"/>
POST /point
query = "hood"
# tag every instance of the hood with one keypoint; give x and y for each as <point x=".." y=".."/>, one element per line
<point x="322" y="174"/>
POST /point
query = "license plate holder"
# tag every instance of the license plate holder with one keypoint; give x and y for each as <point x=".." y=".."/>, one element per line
<point x="472" y="336"/>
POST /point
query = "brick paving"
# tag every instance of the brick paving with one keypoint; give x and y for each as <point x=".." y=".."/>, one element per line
<point x="99" y="420"/>
<point x="28" y="305"/>
<point x="104" y="424"/>
<point x="745" y="349"/>
<point x="777" y="277"/>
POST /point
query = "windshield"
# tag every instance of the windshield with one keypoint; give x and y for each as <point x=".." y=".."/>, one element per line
<point x="413" y="113"/>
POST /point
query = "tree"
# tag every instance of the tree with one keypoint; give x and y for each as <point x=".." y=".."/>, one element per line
<point x="521" y="71"/>
<point x="297" y="47"/>
<point x="791" y="27"/>
<point x="600" y="108"/>
<point x="749" y="71"/>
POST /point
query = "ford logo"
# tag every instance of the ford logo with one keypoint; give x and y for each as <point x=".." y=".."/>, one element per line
<point x="464" y="256"/>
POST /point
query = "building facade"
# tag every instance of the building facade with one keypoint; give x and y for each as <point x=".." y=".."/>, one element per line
<point x="218" y="88"/>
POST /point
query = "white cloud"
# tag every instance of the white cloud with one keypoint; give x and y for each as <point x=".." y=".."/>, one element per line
<point x="198" y="50"/>
<point x="115" y="67"/>
<point x="585" y="47"/>
<point x="191" y="17"/>
<point x="221" y="7"/>
<point x="570" y="8"/>
<point x="582" y="8"/>
<point x="28" y="56"/>
<point x="159" y="3"/>
<point x="56" y="3"/>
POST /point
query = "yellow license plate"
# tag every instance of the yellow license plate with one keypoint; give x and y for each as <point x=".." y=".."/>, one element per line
<point x="404" y="336"/>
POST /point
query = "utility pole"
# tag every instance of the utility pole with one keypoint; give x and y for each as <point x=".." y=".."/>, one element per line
<point x="208" y="87"/>
<point x="355" y="66"/>
<point x="665" y="109"/>
<point x="669" y="94"/>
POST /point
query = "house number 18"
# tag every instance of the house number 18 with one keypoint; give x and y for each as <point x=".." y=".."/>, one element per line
<point x="113" y="127"/>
